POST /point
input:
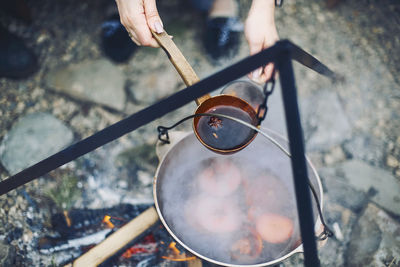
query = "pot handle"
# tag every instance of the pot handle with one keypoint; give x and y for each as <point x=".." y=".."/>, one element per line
<point x="179" y="61"/>
<point x="320" y="243"/>
<point x="173" y="138"/>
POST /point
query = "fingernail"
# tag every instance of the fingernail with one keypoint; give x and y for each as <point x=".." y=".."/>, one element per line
<point x="159" y="28"/>
<point x="256" y="74"/>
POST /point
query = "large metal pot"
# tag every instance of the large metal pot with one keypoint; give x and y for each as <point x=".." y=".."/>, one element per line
<point x="175" y="185"/>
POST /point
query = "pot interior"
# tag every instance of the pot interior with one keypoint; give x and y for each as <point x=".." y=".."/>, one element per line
<point x="237" y="209"/>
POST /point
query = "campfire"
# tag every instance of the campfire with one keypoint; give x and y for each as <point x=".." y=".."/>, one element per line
<point x="241" y="214"/>
<point x="146" y="242"/>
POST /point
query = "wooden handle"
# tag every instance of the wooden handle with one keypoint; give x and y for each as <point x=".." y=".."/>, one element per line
<point x="179" y="61"/>
<point x="118" y="240"/>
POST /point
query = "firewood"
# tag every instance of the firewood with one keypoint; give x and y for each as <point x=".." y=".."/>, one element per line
<point x="117" y="240"/>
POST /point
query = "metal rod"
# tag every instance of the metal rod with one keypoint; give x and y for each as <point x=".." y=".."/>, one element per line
<point x="299" y="167"/>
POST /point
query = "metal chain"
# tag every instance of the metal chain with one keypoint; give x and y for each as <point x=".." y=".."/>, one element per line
<point x="268" y="90"/>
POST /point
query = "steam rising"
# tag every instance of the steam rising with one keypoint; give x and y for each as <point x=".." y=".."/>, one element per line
<point x="211" y="202"/>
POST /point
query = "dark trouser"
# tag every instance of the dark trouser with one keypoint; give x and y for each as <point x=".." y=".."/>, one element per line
<point x="202" y="5"/>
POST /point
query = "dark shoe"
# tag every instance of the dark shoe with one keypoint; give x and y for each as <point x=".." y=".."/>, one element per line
<point x="117" y="44"/>
<point x="16" y="60"/>
<point x="222" y="37"/>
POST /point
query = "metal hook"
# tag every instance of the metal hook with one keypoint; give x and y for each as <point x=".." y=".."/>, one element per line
<point x="163" y="131"/>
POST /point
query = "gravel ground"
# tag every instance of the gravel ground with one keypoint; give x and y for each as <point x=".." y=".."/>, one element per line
<point x="351" y="127"/>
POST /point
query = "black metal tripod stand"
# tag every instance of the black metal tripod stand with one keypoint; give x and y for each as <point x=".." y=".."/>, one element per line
<point x="281" y="54"/>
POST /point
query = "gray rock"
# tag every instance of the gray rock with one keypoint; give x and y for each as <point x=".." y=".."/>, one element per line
<point x="383" y="186"/>
<point x="335" y="155"/>
<point x="337" y="190"/>
<point x="160" y="82"/>
<point x="331" y="254"/>
<point x="33" y="138"/>
<point x="375" y="240"/>
<point x="341" y="221"/>
<point x="7" y="255"/>
<point x="97" y="81"/>
<point x="365" y="147"/>
<point x="324" y="121"/>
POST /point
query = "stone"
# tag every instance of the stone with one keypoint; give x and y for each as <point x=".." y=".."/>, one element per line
<point x="365" y="148"/>
<point x="95" y="120"/>
<point x="338" y="191"/>
<point x="325" y="123"/>
<point x="145" y="178"/>
<point x="332" y="253"/>
<point x="160" y="82"/>
<point x="33" y="138"/>
<point x="97" y="81"/>
<point x="391" y="161"/>
<point x="141" y="157"/>
<point x="335" y="155"/>
<point x="7" y="255"/>
<point x="380" y="185"/>
<point x="375" y="240"/>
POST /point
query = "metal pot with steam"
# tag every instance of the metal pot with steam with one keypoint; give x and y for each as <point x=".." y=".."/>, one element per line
<point x="232" y="210"/>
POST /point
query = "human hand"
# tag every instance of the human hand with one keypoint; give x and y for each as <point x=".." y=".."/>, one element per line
<point x="140" y="17"/>
<point x="261" y="33"/>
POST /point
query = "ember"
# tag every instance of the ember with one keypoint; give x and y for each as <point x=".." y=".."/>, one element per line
<point x="107" y="221"/>
<point x="146" y="247"/>
<point x="176" y="255"/>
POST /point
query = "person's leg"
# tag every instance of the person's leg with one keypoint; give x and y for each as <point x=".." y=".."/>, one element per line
<point x="115" y="41"/>
<point x="17" y="61"/>
<point x="223" y="27"/>
<point x="202" y="5"/>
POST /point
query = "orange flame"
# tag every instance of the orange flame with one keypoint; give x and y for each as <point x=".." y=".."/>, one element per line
<point x="176" y="255"/>
<point x="107" y="221"/>
<point x="67" y="218"/>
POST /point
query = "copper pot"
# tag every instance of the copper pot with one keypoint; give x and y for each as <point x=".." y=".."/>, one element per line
<point x="215" y="135"/>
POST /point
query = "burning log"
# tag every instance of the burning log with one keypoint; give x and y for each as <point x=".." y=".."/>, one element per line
<point x="147" y="247"/>
<point x="118" y="240"/>
<point x="76" y="222"/>
<point x="176" y="255"/>
<point x="49" y="245"/>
